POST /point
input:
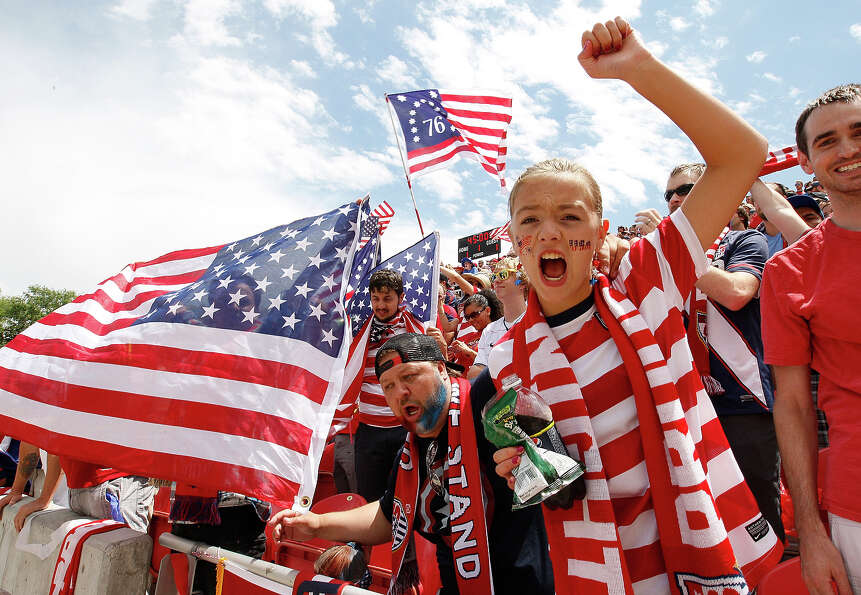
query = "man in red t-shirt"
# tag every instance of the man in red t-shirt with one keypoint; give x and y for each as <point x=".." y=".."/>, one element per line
<point x="94" y="491"/>
<point x="811" y="319"/>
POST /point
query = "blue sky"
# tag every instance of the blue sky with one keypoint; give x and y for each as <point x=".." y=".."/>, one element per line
<point x="132" y="128"/>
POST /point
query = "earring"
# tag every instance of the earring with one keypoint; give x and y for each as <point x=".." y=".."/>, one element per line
<point x="595" y="264"/>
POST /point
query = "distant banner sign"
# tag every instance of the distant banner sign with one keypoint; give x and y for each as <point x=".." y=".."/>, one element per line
<point x="478" y="245"/>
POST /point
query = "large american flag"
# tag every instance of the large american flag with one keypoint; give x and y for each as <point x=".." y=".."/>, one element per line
<point x="220" y="366"/>
<point x="438" y="126"/>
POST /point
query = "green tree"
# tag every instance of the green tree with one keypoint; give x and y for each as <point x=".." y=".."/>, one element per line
<point x="17" y="312"/>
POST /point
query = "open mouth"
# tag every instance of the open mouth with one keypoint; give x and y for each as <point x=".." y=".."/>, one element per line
<point x="851" y="167"/>
<point x="553" y="266"/>
<point x="412" y="412"/>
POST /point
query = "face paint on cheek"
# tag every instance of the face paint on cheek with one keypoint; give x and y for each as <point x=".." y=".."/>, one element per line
<point x="433" y="411"/>
<point x="524" y="245"/>
<point x="580" y="245"/>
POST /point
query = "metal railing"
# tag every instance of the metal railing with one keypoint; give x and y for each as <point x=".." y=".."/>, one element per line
<point x="279" y="574"/>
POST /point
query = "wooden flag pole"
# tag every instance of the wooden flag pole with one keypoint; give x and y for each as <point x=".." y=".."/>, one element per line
<point x="404" y="163"/>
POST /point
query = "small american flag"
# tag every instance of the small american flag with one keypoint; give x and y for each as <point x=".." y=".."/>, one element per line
<point x="384" y="213"/>
<point x="418" y="265"/>
<point x="780" y="159"/>
<point x="220" y="366"/>
<point x="366" y="258"/>
<point x="502" y="233"/>
<point x="438" y="126"/>
<point x="370" y="230"/>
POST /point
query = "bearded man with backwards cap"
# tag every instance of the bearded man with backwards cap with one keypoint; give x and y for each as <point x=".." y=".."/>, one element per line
<point x="442" y="486"/>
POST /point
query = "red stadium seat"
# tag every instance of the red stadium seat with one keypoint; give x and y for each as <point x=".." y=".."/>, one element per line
<point x="302" y="555"/>
<point x="158" y="524"/>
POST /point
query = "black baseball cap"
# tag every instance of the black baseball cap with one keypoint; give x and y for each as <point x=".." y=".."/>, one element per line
<point x="411" y="347"/>
<point x="804" y="200"/>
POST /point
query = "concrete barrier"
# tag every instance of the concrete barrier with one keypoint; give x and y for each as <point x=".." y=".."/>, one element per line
<point x="112" y="563"/>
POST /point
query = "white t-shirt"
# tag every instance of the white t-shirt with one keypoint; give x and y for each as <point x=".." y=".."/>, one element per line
<point x="491" y="334"/>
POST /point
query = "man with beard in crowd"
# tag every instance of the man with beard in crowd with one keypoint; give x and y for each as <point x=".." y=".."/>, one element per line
<point x="379" y="434"/>
<point x="439" y="487"/>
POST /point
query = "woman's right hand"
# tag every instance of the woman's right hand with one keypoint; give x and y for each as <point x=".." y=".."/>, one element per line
<point x="506" y="460"/>
<point x="294" y="525"/>
<point x="611" y="50"/>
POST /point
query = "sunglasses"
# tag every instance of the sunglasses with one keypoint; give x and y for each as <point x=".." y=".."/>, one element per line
<point x="682" y="190"/>
<point x="473" y="314"/>
<point x="502" y="275"/>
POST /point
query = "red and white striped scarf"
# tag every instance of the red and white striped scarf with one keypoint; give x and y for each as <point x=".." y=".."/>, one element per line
<point x="360" y="366"/>
<point x="698" y="323"/>
<point x="468" y="519"/>
<point x="66" y="569"/>
<point x="706" y="541"/>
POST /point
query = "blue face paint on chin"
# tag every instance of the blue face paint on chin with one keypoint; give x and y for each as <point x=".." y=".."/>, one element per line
<point x="434" y="409"/>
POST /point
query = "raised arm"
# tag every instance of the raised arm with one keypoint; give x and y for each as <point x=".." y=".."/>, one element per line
<point x="733" y="151"/>
<point x="778" y="210"/>
<point x="454" y="277"/>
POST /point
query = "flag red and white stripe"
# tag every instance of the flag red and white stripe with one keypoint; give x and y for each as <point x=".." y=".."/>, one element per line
<point x="384" y="213"/>
<point x="481" y="121"/>
<point x="216" y="407"/>
<point x="502" y="232"/>
<point x="68" y="560"/>
<point x="780" y="159"/>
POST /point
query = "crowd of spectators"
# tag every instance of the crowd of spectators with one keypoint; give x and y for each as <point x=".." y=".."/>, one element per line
<point x="756" y="319"/>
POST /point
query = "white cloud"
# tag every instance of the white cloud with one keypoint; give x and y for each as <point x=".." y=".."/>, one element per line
<point x="756" y="57"/>
<point x="320" y="13"/>
<point x="364" y="11"/>
<point x="395" y="71"/>
<point x="372" y="101"/>
<point x="855" y="31"/>
<point x="705" y="8"/>
<point x="321" y="16"/>
<point x="442" y="186"/>
<point x="757" y="97"/>
<point x="204" y="22"/>
<point x="721" y="42"/>
<point x="772" y="77"/>
<point x="212" y="150"/>
<point x="679" y="24"/>
<point x="794" y="38"/>
<point x="657" y="47"/>
<point x="303" y="68"/>
<point x="265" y="123"/>
<point x="794" y="92"/>
<point x="617" y="130"/>
<point x="676" y="23"/>
<point x="741" y="107"/>
<point x="139" y="10"/>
